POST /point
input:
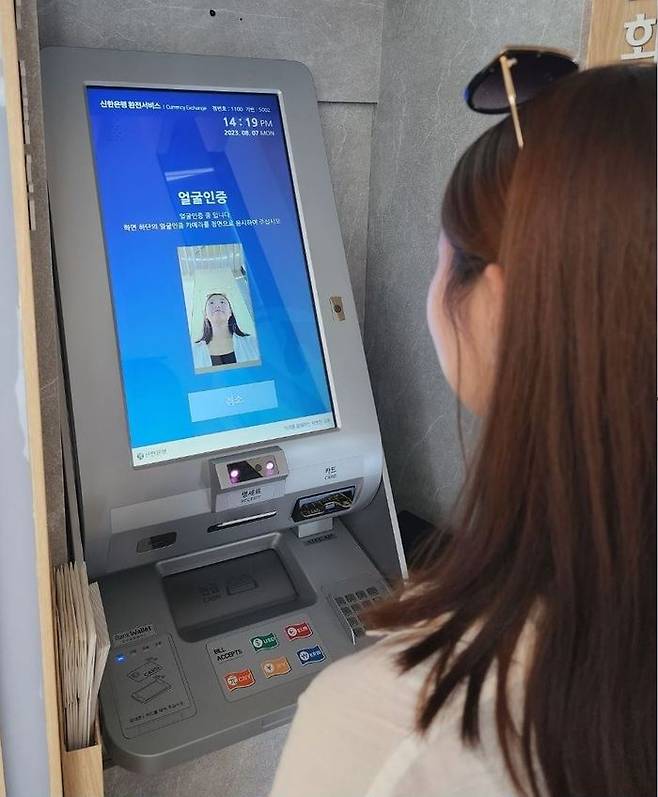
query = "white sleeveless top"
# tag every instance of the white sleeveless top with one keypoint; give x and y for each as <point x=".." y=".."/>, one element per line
<point x="354" y="736"/>
<point x="245" y="348"/>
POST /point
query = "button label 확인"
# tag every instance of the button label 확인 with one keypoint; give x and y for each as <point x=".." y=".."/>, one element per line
<point x="272" y="667"/>
<point x="298" y="631"/>
<point x="310" y="655"/>
<point x="239" y="680"/>
<point x="264" y="642"/>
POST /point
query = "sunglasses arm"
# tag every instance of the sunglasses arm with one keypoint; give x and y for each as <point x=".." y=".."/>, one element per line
<point x="506" y="65"/>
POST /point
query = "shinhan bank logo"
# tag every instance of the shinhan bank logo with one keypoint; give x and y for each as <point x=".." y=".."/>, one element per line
<point x="151" y="453"/>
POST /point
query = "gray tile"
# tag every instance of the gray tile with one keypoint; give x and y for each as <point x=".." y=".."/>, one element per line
<point x="339" y="40"/>
<point x="243" y="770"/>
<point x="430" y="50"/>
<point x="347" y="131"/>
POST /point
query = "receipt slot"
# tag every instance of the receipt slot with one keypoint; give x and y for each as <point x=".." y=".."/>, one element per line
<point x="231" y="481"/>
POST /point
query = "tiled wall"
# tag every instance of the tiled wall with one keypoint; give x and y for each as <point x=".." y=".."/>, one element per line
<point x="430" y="50"/>
<point x="339" y="40"/>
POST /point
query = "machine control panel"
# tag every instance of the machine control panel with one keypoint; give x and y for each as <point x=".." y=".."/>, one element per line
<point x="149" y="685"/>
<point x="281" y="650"/>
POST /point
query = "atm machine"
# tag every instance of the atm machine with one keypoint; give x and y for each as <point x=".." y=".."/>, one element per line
<point x="231" y="483"/>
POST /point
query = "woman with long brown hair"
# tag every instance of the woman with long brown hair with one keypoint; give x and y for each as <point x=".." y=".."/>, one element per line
<point x="522" y="659"/>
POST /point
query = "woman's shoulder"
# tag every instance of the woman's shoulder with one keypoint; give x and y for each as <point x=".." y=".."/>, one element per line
<point x="245" y="347"/>
<point x="372" y="687"/>
<point x="366" y="709"/>
<point x="370" y="683"/>
<point x="200" y="354"/>
<point x="362" y="710"/>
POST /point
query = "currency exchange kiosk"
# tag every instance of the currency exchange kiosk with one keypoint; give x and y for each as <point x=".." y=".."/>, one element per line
<point x="230" y="476"/>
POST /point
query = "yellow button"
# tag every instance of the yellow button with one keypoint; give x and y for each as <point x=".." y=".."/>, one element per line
<point x="273" y="667"/>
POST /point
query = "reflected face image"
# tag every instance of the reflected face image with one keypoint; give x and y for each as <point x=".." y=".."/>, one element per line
<point x="218" y="309"/>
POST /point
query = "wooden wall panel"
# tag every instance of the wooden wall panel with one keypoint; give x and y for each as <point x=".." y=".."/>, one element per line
<point x="622" y="30"/>
<point x="33" y="405"/>
<point x="2" y="777"/>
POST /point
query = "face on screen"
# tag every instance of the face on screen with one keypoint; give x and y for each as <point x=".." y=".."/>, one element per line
<point x="216" y="326"/>
<point x="219" y="307"/>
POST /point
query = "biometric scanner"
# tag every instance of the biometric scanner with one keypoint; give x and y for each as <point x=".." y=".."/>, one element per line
<point x="231" y="481"/>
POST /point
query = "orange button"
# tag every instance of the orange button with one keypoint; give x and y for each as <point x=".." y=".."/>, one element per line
<point x="273" y="667"/>
<point x="239" y="680"/>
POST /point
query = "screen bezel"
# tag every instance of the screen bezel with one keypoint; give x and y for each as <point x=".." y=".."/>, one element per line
<point x="310" y="272"/>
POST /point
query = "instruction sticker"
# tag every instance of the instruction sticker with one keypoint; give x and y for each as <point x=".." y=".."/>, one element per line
<point x="139" y="632"/>
<point x="252" y="493"/>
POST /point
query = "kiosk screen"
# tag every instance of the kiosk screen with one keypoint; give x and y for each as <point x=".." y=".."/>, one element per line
<point x="215" y="319"/>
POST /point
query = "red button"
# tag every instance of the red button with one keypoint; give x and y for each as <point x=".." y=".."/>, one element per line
<point x="239" y="680"/>
<point x="298" y="631"/>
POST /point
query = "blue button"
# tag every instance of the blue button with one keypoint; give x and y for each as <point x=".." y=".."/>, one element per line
<point x="120" y="658"/>
<point x="310" y="655"/>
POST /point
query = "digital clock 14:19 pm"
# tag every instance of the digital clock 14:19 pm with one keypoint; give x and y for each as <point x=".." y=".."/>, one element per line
<point x="252" y="122"/>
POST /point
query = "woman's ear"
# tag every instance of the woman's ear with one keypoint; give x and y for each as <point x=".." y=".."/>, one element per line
<point x="485" y="310"/>
<point x="493" y="278"/>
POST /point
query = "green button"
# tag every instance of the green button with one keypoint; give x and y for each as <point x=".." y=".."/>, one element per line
<point x="265" y="642"/>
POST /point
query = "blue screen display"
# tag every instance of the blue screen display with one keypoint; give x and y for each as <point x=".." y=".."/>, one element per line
<point x="215" y="318"/>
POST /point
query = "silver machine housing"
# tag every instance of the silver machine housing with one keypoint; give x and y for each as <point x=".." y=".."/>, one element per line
<point x="320" y="544"/>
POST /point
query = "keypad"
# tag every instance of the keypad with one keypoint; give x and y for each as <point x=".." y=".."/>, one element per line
<point x="349" y="606"/>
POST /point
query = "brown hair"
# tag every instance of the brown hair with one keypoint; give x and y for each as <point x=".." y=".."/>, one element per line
<point x="555" y="526"/>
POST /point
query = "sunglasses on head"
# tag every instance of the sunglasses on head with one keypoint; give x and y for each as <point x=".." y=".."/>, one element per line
<point x="513" y="77"/>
